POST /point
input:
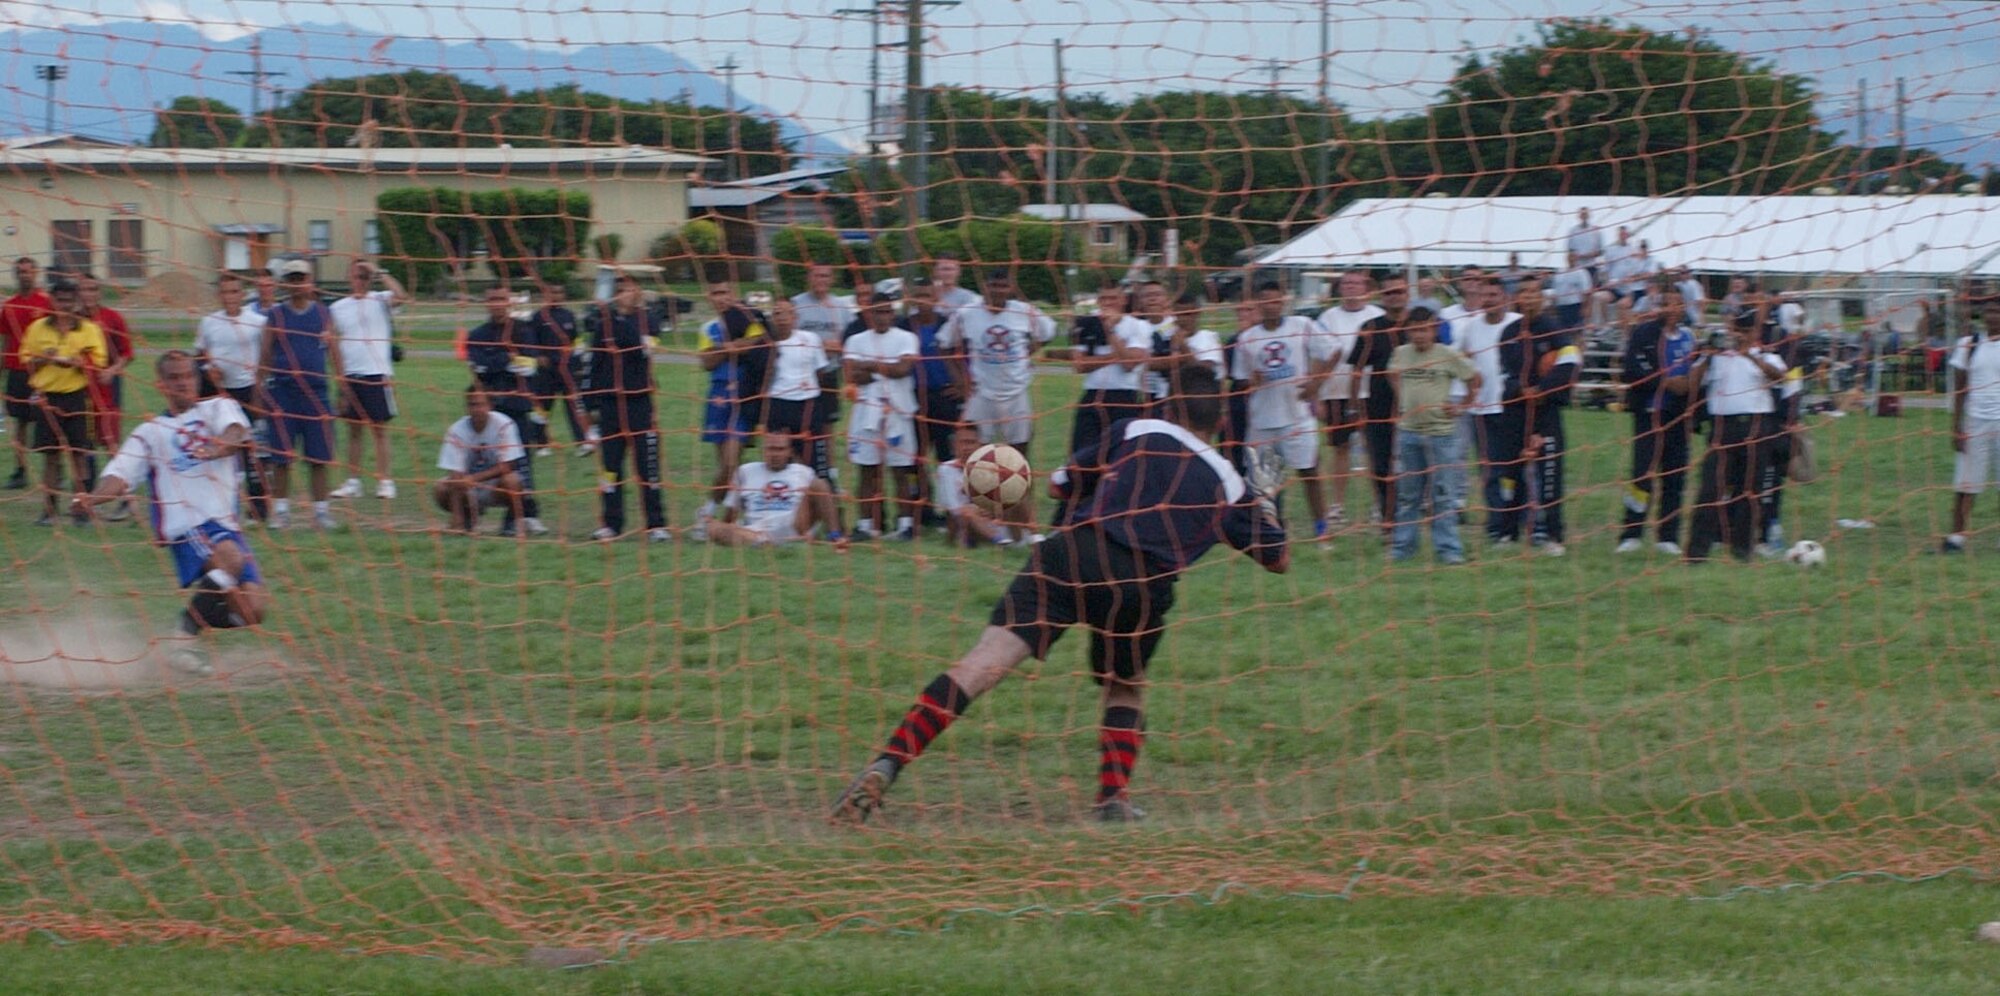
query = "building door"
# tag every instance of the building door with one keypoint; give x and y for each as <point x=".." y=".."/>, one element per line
<point x="69" y="246"/>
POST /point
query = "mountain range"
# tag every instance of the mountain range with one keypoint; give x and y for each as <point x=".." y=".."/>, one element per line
<point x="120" y="71"/>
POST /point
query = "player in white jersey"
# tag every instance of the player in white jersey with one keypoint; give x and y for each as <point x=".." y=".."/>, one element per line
<point x="366" y="329"/>
<point x="228" y="346"/>
<point x="481" y="457"/>
<point x="1341" y="400"/>
<point x="775" y="500"/>
<point x="999" y="338"/>
<point x="187" y="458"/>
<point x="1284" y="360"/>
<point x="881" y="364"/>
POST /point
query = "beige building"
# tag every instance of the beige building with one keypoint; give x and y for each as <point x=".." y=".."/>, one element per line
<point x="136" y="214"/>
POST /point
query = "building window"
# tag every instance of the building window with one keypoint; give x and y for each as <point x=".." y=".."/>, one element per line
<point x="371" y="237"/>
<point x="69" y="246"/>
<point x="319" y="236"/>
<point x="1102" y="235"/>
<point x="126" y="240"/>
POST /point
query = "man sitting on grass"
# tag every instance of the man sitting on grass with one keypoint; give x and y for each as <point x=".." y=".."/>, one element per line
<point x="482" y="457"/>
<point x="966" y="523"/>
<point x="778" y="500"/>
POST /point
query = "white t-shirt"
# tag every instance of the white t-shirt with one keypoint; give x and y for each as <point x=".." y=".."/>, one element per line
<point x="1480" y="342"/>
<point x="1792" y="317"/>
<point x="1978" y="366"/>
<point x="828" y="318"/>
<point x="234" y="346"/>
<point x="1449" y="316"/>
<point x="1631" y="273"/>
<point x="1203" y="344"/>
<point x="950" y="491"/>
<point x="795" y="375"/>
<point x="1570" y="286"/>
<point x="186" y="491"/>
<point x="950" y="301"/>
<point x="1735" y="387"/>
<point x="1586" y="242"/>
<point x="1692" y="296"/>
<point x="468" y="451"/>
<point x="1344" y="328"/>
<point x="763" y="497"/>
<point x="998" y="345"/>
<point x="1132" y="332"/>
<point x="882" y="395"/>
<point x="1284" y="356"/>
<point x="364" y="328"/>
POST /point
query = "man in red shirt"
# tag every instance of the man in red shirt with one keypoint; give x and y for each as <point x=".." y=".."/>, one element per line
<point x="27" y="306"/>
<point x="107" y="386"/>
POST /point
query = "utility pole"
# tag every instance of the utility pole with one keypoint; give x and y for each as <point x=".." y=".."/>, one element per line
<point x="1861" y="124"/>
<point x="1324" y="173"/>
<point x="1902" y="139"/>
<point x="735" y="165"/>
<point x="916" y="117"/>
<point x="873" y="132"/>
<point x="1060" y="111"/>
<point x="257" y="76"/>
<point x="1053" y="160"/>
<point x="49" y="73"/>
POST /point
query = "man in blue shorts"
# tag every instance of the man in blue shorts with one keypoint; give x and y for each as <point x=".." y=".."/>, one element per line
<point x="736" y="352"/>
<point x="298" y="335"/>
<point x="188" y="458"/>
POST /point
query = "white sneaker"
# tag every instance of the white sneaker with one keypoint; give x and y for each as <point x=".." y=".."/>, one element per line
<point x="1628" y="546"/>
<point x="280" y="519"/>
<point x="1770" y="551"/>
<point x="586" y="449"/>
<point x="1554" y="550"/>
<point x="699" y="532"/>
<point x="1034" y="538"/>
<point x="534" y="526"/>
<point x="1668" y="547"/>
<point x="659" y="536"/>
<point x="604" y="534"/>
<point x="544" y="451"/>
<point x="351" y="489"/>
<point x="324" y="521"/>
<point x="385" y="489"/>
<point x="189" y="658"/>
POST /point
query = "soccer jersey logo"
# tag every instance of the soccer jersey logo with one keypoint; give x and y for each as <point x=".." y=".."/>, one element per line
<point x="187" y="436"/>
<point x="1277" y="360"/>
<point x="999" y="346"/>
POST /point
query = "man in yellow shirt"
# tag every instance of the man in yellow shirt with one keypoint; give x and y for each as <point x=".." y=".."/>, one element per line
<point x="61" y="351"/>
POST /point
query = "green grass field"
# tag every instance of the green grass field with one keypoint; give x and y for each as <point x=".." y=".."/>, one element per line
<point x="1518" y="771"/>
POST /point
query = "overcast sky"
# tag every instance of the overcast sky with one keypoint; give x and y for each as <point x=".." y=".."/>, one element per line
<point x="801" y="59"/>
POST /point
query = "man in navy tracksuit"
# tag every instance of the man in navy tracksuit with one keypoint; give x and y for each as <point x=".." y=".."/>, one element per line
<point x="1657" y="357"/>
<point x="1532" y="401"/>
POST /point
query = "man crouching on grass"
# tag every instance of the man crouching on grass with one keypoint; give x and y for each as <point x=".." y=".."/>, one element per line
<point x="188" y="458"/>
<point x="1147" y="501"/>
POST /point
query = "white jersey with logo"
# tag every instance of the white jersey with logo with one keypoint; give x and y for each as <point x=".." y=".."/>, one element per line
<point x="1283" y="357"/>
<point x="1131" y="332"/>
<point x="1203" y="344"/>
<point x="234" y="346"/>
<point x="1480" y="342"/>
<point x="828" y="318"/>
<point x="1344" y="328"/>
<point x="795" y="373"/>
<point x="1737" y="384"/>
<point x="999" y="346"/>
<point x="186" y="490"/>
<point x="467" y="450"/>
<point x="768" y="499"/>
<point x="365" y="329"/>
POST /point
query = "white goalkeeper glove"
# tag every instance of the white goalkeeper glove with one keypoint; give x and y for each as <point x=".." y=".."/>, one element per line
<point x="1267" y="478"/>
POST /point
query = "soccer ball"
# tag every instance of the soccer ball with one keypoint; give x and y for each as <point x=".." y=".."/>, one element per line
<point x="1806" y="553"/>
<point x="996" y="477"/>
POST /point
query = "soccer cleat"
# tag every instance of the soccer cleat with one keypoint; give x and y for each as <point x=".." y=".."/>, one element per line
<point x="604" y="534"/>
<point x="1770" y="551"/>
<point x="698" y="533"/>
<point x="190" y="659"/>
<point x="281" y="519"/>
<point x="861" y="535"/>
<point x="18" y="481"/>
<point x="351" y="488"/>
<point x="1952" y="544"/>
<point x="323" y="520"/>
<point x="385" y="489"/>
<point x="1036" y="538"/>
<point x="1553" y="549"/>
<point x="1628" y="546"/>
<point x="660" y="535"/>
<point x="534" y="526"/>
<point x="544" y="451"/>
<point x="585" y="449"/>
<point x="1668" y="547"/>
<point x="903" y="535"/>
<point x="1117" y="809"/>
<point x="1502" y="541"/>
<point x="864" y="796"/>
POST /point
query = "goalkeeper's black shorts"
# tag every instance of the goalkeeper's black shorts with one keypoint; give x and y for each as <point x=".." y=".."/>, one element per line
<point x="1079" y="576"/>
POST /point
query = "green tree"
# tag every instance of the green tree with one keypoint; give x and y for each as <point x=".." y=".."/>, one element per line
<point x="196" y="123"/>
<point x="1594" y="108"/>
<point x="427" y="231"/>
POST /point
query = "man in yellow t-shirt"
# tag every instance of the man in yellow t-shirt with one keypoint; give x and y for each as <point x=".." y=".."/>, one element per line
<point x="61" y="350"/>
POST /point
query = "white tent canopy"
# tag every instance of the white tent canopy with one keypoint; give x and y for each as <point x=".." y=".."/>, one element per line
<point x="1808" y="236"/>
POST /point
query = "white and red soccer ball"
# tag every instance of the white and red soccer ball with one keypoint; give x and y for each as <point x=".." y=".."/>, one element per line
<point x="997" y="477"/>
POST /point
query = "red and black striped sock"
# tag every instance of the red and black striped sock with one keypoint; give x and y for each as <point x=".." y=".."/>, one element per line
<point x="941" y="702"/>
<point x="1118" y="751"/>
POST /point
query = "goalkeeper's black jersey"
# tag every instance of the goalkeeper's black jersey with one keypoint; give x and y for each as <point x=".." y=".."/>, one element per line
<point x="1154" y="488"/>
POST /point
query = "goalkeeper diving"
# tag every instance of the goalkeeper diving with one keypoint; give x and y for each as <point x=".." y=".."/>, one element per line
<point x="1141" y="505"/>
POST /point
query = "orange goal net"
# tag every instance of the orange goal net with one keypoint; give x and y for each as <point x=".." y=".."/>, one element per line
<point x="513" y="302"/>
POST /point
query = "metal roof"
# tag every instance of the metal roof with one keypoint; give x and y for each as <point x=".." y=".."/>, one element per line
<point x="1091" y="212"/>
<point x="1933" y="234"/>
<point x="420" y="160"/>
<point x="730" y="197"/>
